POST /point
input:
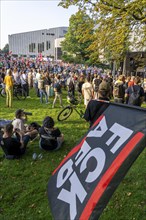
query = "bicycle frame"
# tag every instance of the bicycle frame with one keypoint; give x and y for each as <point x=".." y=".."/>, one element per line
<point x="67" y="111"/>
<point x="79" y="112"/>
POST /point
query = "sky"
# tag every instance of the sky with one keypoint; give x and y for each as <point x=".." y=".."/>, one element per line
<point x="30" y="15"/>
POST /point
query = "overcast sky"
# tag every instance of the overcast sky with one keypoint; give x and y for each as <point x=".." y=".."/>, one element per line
<point x="29" y="15"/>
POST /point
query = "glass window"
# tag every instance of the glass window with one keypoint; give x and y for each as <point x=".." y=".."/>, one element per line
<point x="48" y="45"/>
<point x="42" y="46"/>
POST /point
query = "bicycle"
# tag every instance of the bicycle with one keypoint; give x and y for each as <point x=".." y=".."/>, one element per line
<point x="68" y="110"/>
<point x="18" y="92"/>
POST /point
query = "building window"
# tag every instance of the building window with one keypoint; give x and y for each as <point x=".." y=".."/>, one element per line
<point x="40" y="47"/>
<point x="48" y="45"/>
<point x="42" y="33"/>
<point x="32" y="47"/>
<point x="52" y="34"/>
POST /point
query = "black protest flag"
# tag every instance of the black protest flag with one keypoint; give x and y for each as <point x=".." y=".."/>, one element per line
<point x="85" y="180"/>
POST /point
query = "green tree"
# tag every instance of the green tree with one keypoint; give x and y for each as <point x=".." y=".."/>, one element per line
<point x="119" y="26"/>
<point x="78" y="38"/>
<point x="6" y="48"/>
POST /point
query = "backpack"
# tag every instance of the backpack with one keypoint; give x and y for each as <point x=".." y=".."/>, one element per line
<point x="71" y="85"/>
<point x="57" y="87"/>
<point x="134" y="98"/>
<point x="96" y="84"/>
<point x="118" y="91"/>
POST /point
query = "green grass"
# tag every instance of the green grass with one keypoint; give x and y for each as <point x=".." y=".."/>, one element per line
<point x="23" y="183"/>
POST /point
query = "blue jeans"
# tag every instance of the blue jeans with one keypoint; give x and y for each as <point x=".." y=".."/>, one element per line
<point x="42" y="94"/>
<point x="26" y="139"/>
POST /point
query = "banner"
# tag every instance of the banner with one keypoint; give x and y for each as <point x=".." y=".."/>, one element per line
<point x="82" y="185"/>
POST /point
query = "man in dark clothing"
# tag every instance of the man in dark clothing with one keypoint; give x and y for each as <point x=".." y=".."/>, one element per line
<point x="97" y="106"/>
<point x="135" y="92"/>
<point x="12" y="142"/>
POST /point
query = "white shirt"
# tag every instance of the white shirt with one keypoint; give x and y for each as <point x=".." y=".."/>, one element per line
<point x="18" y="124"/>
<point x="88" y="90"/>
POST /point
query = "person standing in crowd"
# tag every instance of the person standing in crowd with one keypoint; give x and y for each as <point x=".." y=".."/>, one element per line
<point x="8" y="81"/>
<point x="119" y="89"/>
<point x="131" y="81"/>
<point x="24" y="82"/>
<point x="79" y="87"/>
<point x="30" y="78"/>
<point x="41" y="87"/>
<point x="105" y="86"/>
<point x="97" y="106"/>
<point x="16" y="76"/>
<point x="71" y="84"/>
<point x="110" y="81"/>
<point x="135" y="94"/>
<point x="96" y="82"/>
<point x="51" y="137"/>
<point x="87" y="91"/>
<point x="36" y="77"/>
<point x="58" y="91"/>
<point x="47" y="83"/>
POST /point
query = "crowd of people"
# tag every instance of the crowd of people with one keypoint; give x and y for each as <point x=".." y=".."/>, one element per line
<point x="49" y="79"/>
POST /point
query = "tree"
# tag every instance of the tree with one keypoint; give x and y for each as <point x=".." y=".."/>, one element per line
<point x="6" y="48"/>
<point x="78" y="38"/>
<point x="118" y="25"/>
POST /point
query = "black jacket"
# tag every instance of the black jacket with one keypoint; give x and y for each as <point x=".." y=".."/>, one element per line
<point x="94" y="109"/>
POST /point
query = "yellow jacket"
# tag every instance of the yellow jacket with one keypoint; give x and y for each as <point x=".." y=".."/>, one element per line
<point x="8" y="81"/>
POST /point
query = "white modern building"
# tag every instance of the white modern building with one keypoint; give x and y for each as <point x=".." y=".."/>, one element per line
<point x="31" y="44"/>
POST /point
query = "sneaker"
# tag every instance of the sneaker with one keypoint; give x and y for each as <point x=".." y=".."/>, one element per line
<point x="34" y="156"/>
<point x="40" y="156"/>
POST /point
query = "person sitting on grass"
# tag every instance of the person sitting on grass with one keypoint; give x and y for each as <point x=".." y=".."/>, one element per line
<point x="12" y="142"/>
<point x="51" y="137"/>
<point x="19" y="124"/>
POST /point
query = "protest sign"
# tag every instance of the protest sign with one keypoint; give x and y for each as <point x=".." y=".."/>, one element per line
<point x="83" y="183"/>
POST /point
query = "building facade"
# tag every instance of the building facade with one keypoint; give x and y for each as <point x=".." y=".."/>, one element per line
<point x="31" y="44"/>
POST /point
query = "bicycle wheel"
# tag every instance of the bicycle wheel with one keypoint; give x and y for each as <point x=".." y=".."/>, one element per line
<point x="65" y="113"/>
<point x="3" y="92"/>
<point x="20" y="94"/>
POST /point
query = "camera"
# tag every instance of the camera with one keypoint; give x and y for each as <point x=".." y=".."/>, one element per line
<point x="27" y="113"/>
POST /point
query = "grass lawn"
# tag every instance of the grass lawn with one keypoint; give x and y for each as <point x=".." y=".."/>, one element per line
<point x="23" y="183"/>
